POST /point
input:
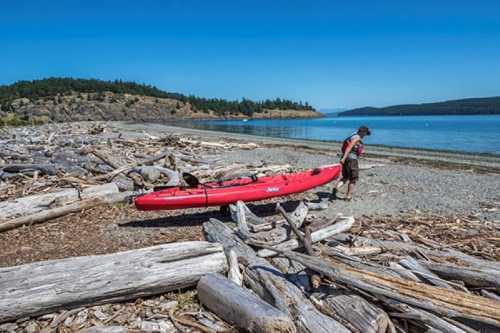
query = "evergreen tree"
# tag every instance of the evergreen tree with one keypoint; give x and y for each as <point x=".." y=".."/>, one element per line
<point x="67" y="86"/>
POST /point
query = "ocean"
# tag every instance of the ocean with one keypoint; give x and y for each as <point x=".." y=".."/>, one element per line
<point x="475" y="134"/>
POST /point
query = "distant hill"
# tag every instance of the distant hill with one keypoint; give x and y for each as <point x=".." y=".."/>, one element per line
<point x="468" y="106"/>
<point x="69" y="99"/>
<point x="332" y="112"/>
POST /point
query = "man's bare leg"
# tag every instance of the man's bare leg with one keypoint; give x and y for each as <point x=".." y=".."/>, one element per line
<point x="350" y="190"/>
<point x="337" y="186"/>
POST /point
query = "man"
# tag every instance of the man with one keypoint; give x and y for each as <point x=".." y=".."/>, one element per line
<point x="352" y="148"/>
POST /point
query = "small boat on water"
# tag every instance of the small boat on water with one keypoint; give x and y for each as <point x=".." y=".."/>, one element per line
<point x="245" y="189"/>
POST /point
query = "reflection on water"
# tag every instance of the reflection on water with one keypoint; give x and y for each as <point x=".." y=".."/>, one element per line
<point x="459" y="133"/>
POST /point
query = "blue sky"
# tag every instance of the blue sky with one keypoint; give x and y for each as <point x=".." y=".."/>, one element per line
<point x="329" y="53"/>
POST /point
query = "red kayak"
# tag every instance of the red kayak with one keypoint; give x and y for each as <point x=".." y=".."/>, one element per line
<point x="245" y="189"/>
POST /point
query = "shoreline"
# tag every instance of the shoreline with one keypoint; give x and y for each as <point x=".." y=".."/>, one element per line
<point x="430" y="150"/>
<point x="481" y="162"/>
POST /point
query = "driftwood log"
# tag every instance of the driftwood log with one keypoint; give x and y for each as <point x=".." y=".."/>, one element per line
<point x="430" y="320"/>
<point x="36" y="203"/>
<point x="74" y="207"/>
<point x="341" y="226"/>
<point x="478" y="278"/>
<point x="304" y="239"/>
<point x="240" y="307"/>
<point x="48" y="286"/>
<point x="424" y="274"/>
<point x="251" y="218"/>
<point x="272" y="237"/>
<point x="234" y="273"/>
<point x="257" y="224"/>
<point x="446" y="302"/>
<point x="271" y="285"/>
<point x="48" y="169"/>
<point x="353" y="309"/>
<point x="410" y="247"/>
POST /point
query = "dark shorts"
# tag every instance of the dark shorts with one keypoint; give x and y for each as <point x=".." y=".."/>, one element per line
<point x="350" y="170"/>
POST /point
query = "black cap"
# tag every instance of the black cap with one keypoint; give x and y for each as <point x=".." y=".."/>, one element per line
<point x="364" y="129"/>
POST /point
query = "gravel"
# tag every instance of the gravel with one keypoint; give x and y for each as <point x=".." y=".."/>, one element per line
<point x="397" y="188"/>
<point x="408" y="181"/>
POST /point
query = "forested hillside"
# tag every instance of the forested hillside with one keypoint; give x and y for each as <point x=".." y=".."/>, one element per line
<point x="469" y="106"/>
<point x="51" y="87"/>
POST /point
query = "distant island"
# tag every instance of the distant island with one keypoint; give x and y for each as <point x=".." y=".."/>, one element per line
<point x="332" y="112"/>
<point x="70" y="99"/>
<point x="468" y="106"/>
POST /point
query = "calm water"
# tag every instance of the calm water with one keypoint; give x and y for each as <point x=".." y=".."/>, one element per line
<point x="460" y="133"/>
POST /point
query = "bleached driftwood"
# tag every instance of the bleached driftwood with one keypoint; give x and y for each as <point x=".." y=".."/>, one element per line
<point x="238" y="306"/>
<point x="359" y="251"/>
<point x="428" y="319"/>
<point x="35" y="203"/>
<point x="74" y="207"/>
<point x="474" y="277"/>
<point x="129" y="167"/>
<point x="272" y="237"/>
<point x="490" y="294"/>
<point x="48" y="286"/>
<point x="343" y="225"/>
<point x="234" y="273"/>
<point x="106" y="158"/>
<point x="251" y="218"/>
<point x="446" y="302"/>
<point x="242" y="216"/>
<point x="423" y="273"/>
<point x="269" y="283"/>
<point x="353" y="309"/>
<point x="404" y="272"/>
<point x="304" y="239"/>
<point x="298" y="217"/>
<point x="321" y="205"/>
<point x="389" y="245"/>
<point x="48" y="169"/>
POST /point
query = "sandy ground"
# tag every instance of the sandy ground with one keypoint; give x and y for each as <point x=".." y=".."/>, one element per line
<point x="390" y="188"/>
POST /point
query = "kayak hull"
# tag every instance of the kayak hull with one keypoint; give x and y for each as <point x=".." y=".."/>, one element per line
<point x="245" y="189"/>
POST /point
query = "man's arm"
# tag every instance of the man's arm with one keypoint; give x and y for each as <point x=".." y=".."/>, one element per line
<point x="349" y="148"/>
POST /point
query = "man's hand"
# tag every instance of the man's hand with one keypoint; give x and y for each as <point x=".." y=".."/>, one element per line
<point x="342" y="161"/>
